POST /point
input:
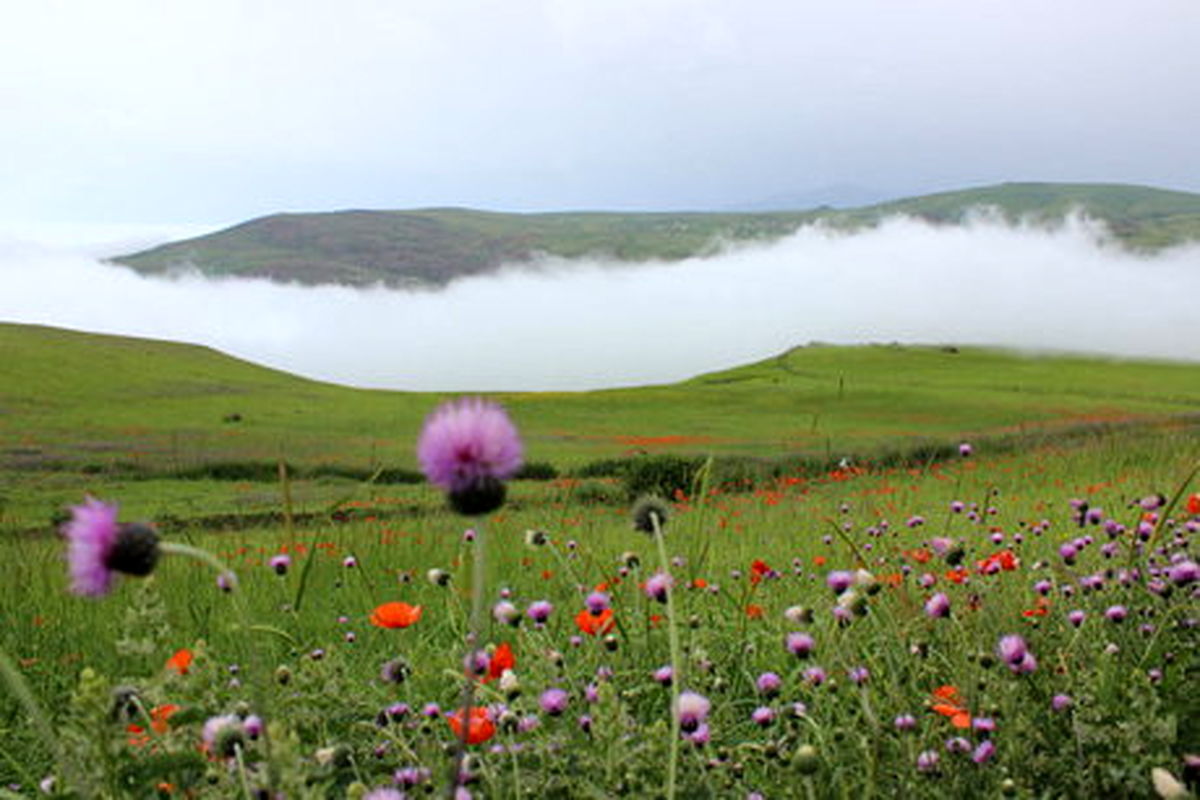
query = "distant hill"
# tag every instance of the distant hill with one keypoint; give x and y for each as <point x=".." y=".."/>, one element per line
<point x="429" y="248"/>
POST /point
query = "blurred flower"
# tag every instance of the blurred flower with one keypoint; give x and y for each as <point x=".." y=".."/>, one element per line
<point x="395" y="615"/>
<point x="502" y="659"/>
<point x="539" y="611"/>
<point x="692" y="709"/>
<point x="658" y="585"/>
<point x="799" y="644"/>
<point x="280" y="563"/>
<point x="950" y="705"/>
<point x="97" y="546"/>
<point x="938" y="606"/>
<point x="180" y="661"/>
<point x="554" y="701"/>
<point x="468" y="448"/>
<point x="480" y="726"/>
<point x="647" y="511"/>
<point x="593" y="624"/>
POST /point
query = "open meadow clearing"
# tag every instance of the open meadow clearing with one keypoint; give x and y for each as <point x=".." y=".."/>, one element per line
<point x="1015" y="617"/>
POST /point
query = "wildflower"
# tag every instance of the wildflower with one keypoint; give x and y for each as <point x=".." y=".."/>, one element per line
<point x="180" y="661"/>
<point x="1116" y="613"/>
<point x="1076" y="617"/>
<point x="253" y="726"/>
<point x="594" y="624"/>
<point x="280" y="563"/>
<point x="799" y="644"/>
<point x="384" y="793"/>
<point x="814" y="676"/>
<point x="905" y="722"/>
<point x="539" y="611"/>
<point x="1193" y="504"/>
<point x="762" y="716"/>
<point x="648" y="511"/>
<point x="1011" y="649"/>
<point x="502" y="660"/>
<point x="965" y="449"/>
<point x="664" y="675"/>
<point x="597" y="602"/>
<point x="554" y="701"/>
<point x="927" y="761"/>
<point x="159" y="723"/>
<point x="1184" y="573"/>
<point x="950" y="705"/>
<point x="223" y="735"/>
<point x="657" y="586"/>
<point x="468" y="448"/>
<point x="479" y="728"/>
<point x="938" y="606"/>
<point x="759" y="570"/>
<point x="394" y="671"/>
<point x="395" y="615"/>
<point x="535" y="538"/>
<point x="691" y="709"/>
<point x="840" y="580"/>
<point x="506" y="613"/>
<point x="1061" y="702"/>
<point x="768" y="684"/>
<point x="98" y="546"/>
<point x="438" y="577"/>
<point x="858" y="675"/>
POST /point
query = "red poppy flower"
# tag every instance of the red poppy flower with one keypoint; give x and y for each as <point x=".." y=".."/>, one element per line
<point x="502" y="659"/>
<point x="919" y="555"/>
<point x="951" y="706"/>
<point x="395" y="615"/>
<point x="180" y="661"/>
<point x="593" y="624"/>
<point x="480" y="727"/>
<point x="754" y="611"/>
<point x="1193" y="505"/>
<point x="957" y="575"/>
<point x="159" y="716"/>
<point x="699" y="583"/>
<point x="757" y="570"/>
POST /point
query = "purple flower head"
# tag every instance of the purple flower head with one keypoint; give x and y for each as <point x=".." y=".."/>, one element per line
<point x="799" y="644"/>
<point x="597" y="602"/>
<point x="1061" y="702"/>
<point x="223" y="734"/>
<point x="700" y="736"/>
<point x="280" y="563"/>
<point x="349" y="562"/>
<point x="554" y="701"/>
<point x="938" y="606"/>
<point x="1116" y="613"/>
<point x="1184" y="573"/>
<point x="1011" y="649"/>
<point x="97" y="546"/>
<point x="905" y="722"/>
<point x="762" y="716"/>
<point x="505" y="613"/>
<point x="840" y="580"/>
<point x="815" y="676"/>
<point x="957" y="745"/>
<point x="984" y="752"/>
<point x="768" y="684"/>
<point x="965" y="449"/>
<point x="858" y="675"/>
<point x="664" y="675"/>
<point x="657" y="586"/>
<point x="539" y="611"/>
<point x="692" y="709"/>
<point x="468" y="448"/>
<point x="927" y="761"/>
<point x="1076" y="617"/>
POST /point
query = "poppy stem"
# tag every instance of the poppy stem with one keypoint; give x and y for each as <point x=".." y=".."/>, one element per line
<point x="676" y="661"/>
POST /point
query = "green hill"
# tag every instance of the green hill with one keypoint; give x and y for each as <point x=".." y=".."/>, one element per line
<point x="79" y="401"/>
<point x="431" y="247"/>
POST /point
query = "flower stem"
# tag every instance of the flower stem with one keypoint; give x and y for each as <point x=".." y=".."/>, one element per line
<point x="676" y="660"/>
<point x="475" y="622"/>
<point x="19" y="688"/>
<point x="174" y="548"/>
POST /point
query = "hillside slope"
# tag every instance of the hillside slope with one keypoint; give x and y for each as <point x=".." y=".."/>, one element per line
<point x="78" y="400"/>
<point x="432" y="247"/>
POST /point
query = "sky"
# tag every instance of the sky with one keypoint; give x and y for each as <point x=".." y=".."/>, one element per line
<point x="129" y="112"/>
<point x="594" y="324"/>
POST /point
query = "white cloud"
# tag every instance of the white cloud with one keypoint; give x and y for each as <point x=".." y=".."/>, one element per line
<point x="596" y="323"/>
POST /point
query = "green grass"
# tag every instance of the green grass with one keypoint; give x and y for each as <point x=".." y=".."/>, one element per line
<point x="431" y="247"/>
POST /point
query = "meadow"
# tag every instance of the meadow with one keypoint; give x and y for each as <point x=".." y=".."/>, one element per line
<point x="837" y="619"/>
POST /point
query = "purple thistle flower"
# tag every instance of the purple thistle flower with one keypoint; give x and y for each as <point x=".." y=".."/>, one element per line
<point x="280" y="563"/>
<point x="762" y="716"/>
<point x="840" y="580"/>
<point x="1184" y="573"/>
<point x="938" y="606"/>
<point x="554" y="701"/>
<point x="965" y="449"/>
<point x="539" y="611"/>
<point x="597" y="602"/>
<point x="858" y="675"/>
<point x="957" y="745"/>
<point x="984" y="752"/>
<point x="692" y="709"/>
<point x="768" y="684"/>
<point x="905" y="722"/>
<point x="468" y="448"/>
<point x="1116" y="613"/>
<point x="1011" y="649"/>
<point x="927" y="761"/>
<point x="97" y="546"/>
<point x="664" y="675"/>
<point x="799" y="644"/>
<point x="1076" y="617"/>
<point x="815" y="676"/>
<point x="1061" y="702"/>
<point x="657" y="586"/>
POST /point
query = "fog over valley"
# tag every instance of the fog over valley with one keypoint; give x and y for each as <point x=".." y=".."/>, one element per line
<point x="596" y="323"/>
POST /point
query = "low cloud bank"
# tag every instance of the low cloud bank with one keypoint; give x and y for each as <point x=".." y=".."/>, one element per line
<point x="598" y="324"/>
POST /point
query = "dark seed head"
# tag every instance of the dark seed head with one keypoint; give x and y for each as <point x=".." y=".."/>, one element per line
<point x="135" y="552"/>
<point x="647" y="511"/>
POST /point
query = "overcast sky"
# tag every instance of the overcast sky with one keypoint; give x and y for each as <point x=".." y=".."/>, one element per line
<point x="143" y="111"/>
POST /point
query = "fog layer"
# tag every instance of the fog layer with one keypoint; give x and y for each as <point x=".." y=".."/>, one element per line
<point x="593" y="324"/>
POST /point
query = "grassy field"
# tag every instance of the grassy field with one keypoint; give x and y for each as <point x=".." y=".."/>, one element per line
<point x="892" y="700"/>
<point x="431" y="247"/>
